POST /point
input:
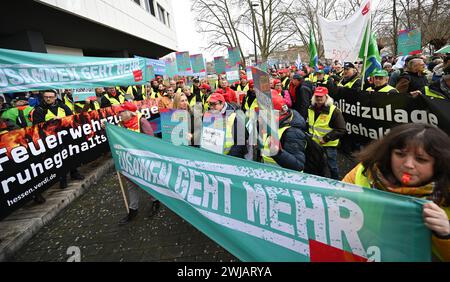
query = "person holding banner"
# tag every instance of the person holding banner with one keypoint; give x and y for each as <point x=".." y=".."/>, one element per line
<point x="327" y="126"/>
<point x="232" y="146"/>
<point x="137" y="123"/>
<point x="380" y="81"/>
<point x="111" y="98"/>
<point x="350" y="78"/>
<point x="51" y="109"/>
<point x="181" y="102"/>
<point x="289" y="150"/>
<point x="412" y="160"/>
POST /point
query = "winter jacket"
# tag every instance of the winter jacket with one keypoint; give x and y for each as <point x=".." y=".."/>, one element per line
<point x="293" y="143"/>
<point x="302" y="102"/>
<point x="441" y="246"/>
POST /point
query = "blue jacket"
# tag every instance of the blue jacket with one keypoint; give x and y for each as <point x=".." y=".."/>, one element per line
<point x="293" y="143"/>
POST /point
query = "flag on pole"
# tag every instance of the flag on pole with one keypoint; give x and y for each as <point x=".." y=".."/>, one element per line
<point x="369" y="52"/>
<point x="298" y="62"/>
<point x="313" y="56"/>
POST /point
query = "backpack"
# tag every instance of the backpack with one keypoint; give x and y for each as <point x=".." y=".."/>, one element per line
<point x="315" y="158"/>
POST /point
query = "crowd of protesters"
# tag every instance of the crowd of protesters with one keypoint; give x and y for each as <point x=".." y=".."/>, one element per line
<point x="302" y="97"/>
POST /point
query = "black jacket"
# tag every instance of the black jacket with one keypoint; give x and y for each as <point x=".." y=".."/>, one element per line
<point x="41" y="111"/>
<point x="303" y="100"/>
<point x="293" y="143"/>
<point x="249" y="98"/>
<point x="237" y="150"/>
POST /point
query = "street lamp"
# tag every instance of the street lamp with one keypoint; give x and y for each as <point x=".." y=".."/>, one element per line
<point x="254" y="31"/>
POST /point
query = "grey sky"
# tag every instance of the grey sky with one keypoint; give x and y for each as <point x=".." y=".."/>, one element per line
<point x="188" y="38"/>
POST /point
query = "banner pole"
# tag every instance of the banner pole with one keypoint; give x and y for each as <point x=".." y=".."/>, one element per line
<point x="366" y="49"/>
<point x="123" y="191"/>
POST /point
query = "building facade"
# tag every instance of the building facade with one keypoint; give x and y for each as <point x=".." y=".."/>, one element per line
<point x="103" y="28"/>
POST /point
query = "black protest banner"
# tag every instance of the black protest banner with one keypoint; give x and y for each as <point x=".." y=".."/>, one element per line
<point x="369" y="116"/>
<point x="441" y="108"/>
<point x="32" y="159"/>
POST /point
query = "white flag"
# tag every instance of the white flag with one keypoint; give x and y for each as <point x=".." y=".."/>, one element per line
<point x="342" y="39"/>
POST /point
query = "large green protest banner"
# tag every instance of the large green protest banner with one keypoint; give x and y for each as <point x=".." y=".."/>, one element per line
<point x="27" y="71"/>
<point x="264" y="213"/>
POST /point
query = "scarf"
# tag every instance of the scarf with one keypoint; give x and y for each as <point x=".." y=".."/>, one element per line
<point x="132" y="123"/>
<point x="380" y="183"/>
<point x="292" y="91"/>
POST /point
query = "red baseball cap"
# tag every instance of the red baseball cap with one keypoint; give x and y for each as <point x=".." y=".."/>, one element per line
<point x="216" y="97"/>
<point x="321" y="91"/>
<point x="205" y="86"/>
<point x="276" y="81"/>
<point x="244" y="77"/>
<point x="251" y="83"/>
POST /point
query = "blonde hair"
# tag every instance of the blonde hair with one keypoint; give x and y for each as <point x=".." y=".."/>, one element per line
<point x="328" y="103"/>
<point x="177" y="100"/>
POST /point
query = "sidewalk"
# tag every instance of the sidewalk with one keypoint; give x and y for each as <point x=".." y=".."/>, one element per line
<point x="24" y="223"/>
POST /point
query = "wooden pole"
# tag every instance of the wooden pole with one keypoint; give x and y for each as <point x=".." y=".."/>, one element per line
<point x="123" y="191"/>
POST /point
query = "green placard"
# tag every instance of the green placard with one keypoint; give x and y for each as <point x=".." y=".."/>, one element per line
<point x="409" y="42"/>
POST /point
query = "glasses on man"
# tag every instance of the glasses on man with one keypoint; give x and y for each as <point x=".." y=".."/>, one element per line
<point x="49" y="97"/>
<point x="212" y="104"/>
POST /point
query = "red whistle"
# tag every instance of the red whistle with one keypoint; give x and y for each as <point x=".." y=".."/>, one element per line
<point x="406" y="178"/>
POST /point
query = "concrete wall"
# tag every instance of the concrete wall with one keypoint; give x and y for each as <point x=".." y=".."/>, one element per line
<point x="124" y="15"/>
<point x="60" y="50"/>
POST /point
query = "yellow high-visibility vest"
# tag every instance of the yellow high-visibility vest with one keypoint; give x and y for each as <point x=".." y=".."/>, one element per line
<point x="321" y="127"/>
<point x="267" y="159"/>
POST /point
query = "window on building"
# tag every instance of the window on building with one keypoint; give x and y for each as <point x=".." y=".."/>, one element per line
<point x="151" y="6"/>
<point x="162" y="14"/>
<point x="168" y="19"/>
